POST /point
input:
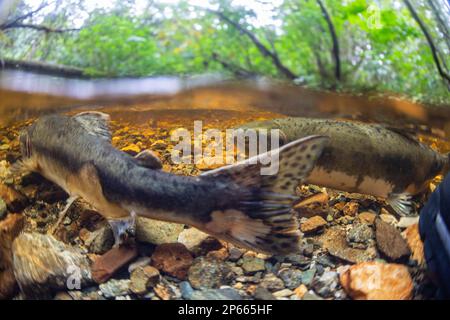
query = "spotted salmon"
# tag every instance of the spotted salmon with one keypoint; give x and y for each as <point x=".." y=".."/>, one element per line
<point x="365" y="158"/>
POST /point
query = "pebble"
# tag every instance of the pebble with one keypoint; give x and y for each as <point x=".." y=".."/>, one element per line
<point x="390" y="242"/>
<point x="157" y="232"/>
<point x="216" y="294"/>
<point x="2" y="209"/>
<point x="206" y="273"/>
<point x="300" y="291"/>
<point x="326" y="284"/>
<point x="334" y="240"/>
<point x="235" y="254"/>
<point x="141" y="262"/>
<point x="283" y="293"/>
<point x="173" y="259"/>
<point x="367" y="217"/>
<point x="221" y="254"/>
<point x="192" y="238"/>
<point x="262" y="293"/>
<point x="351" y="208"/>
<point x="105" y="266"/>
<point x="252" y="265"/>
<point x="292" y="278"/>
<point x="310" y="295"/>
<point x="166" y="291"/>
<point x="313" y="224"/>
<point x="308" y="276"/>
<point x="143" y="278"/>
<point x="186" y="290"/>
<point x="114" y="288"/>
<point x="388" y="218"/>
<point x="43" y="264"/>
<point x="360" y="235"/>
<point x="308" y="250"/>
<point x="272" y="282"/>
<point x="377" y="281"/>
<point x="298" y="260"/>
<point x="10" y="228"/>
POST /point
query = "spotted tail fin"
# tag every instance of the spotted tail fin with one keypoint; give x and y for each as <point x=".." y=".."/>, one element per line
<point x="262" y="219"/>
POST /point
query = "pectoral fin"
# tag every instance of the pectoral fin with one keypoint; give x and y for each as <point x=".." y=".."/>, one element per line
<point x="401" y="203"/>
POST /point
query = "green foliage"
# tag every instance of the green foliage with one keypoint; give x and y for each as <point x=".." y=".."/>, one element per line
<point x="381" y="46"/>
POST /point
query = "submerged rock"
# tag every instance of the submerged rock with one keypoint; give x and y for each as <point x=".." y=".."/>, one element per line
<point x="292" y="278"/>
<point x="105" y="266"/>
<point x="360" y="235"/>
<point x="252" y="265"/>
<point x="335" y="241"/>
<point x="367" y="217"/>
<point x="157" y="232"/>
<point x="173" y="259"/>
<point x="209" y="273"/>
<point x="198" y="242"/>
<point x="262" y="293"/>
<point x="143" y="279"/>
<point x="390" y="242"/>
<point x="313" y="224"/>
<point x="272" y="282"/>
<point x="412" y="236"/>
<point x="43" y="264"/>
<point x="114" y="288"/>
<point x="216" y="294"/>
<point x="377" y="281"/>
<point x="326" y="284"/>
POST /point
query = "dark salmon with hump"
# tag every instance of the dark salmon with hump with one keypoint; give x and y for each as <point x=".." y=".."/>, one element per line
<point x="365" y="158"/>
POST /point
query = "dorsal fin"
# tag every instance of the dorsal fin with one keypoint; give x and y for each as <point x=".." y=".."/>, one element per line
<point x="96" y="123"/>
<point x="404" y="132"/>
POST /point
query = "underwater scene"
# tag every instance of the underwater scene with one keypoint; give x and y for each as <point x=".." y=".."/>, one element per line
<point x="224" y="150"/>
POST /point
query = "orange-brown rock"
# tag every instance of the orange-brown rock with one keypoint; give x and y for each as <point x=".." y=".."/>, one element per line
<point x="367" y="217"/>
<point x="105" y="266"/>
<point x="377" y="281"/>
<point x="300" y="291"/>
<point x="313" y="224"/>
<point x="9" y="230"/>
<point x="351" y="208"/>
<point x="173" y="259"/>
<point x="412" y="236"/>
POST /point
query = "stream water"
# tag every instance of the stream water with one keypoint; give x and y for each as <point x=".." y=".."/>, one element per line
<point x="144" y="112"/>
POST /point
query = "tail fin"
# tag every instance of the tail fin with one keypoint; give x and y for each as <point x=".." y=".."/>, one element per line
<point x="262" y="220"/>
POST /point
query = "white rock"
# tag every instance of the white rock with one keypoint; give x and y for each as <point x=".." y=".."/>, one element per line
<point x="405" y="222"/>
